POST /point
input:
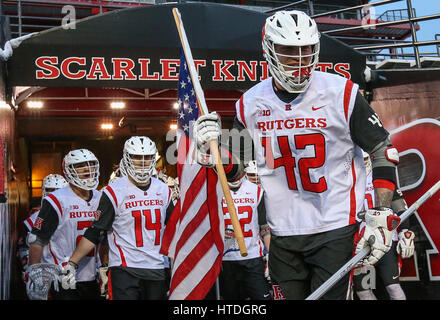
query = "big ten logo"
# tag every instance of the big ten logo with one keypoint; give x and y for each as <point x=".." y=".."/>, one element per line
<point x="264" y="113"/>
<point x="367" y="275"/>
<point x="69" y="20"/>
<point x="368" y="14"/>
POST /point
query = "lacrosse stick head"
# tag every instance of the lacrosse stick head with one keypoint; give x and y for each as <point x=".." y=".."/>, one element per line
<point x="41" y="277"/>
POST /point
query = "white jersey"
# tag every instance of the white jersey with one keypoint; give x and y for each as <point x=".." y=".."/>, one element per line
<point x="75" y="215"/>
<point x="139" y="223"/>
<point x="314" y="176"/>
<point x="246" y="200"/>
<point x="370" y="203"/>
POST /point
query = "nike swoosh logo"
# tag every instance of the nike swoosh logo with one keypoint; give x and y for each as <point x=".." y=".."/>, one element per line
<point x="266" y="295"/>
<point x="316" y="108"/>
<point x="395" y="277"/>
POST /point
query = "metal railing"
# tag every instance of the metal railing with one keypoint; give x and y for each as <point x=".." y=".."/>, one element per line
<point x="23" y="23"/>
<point x="372" y="47"/>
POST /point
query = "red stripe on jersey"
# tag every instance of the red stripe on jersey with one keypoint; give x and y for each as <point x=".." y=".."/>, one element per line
<point x="124" y="263"/>
<point x="57" y="203"/>
<point x="109" y="284"/>
<point x="29" y="220"/>
<point x="242" y="112"/>
<point x="113" y="195"/>
<point x="353" y="196"/>
<point x="381" y="183"/>
<point x="347" y="95"/>
<point x="258" y="193"/>
<point x="53" y="255"/>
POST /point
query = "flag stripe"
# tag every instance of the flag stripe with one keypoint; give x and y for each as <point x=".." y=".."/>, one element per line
<point x="193" y="236"/>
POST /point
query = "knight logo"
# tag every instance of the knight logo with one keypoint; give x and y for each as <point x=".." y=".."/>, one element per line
<point x="132" y="196"/>
<point x="74" y="207"/>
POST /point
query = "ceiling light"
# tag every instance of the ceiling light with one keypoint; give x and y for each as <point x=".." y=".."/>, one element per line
<point x="107" y="126"/>
<point x="35" y="104"/>
<point x="176" y="105"/>
<point x="173" y="126"/>
<point x="117" y="105"/>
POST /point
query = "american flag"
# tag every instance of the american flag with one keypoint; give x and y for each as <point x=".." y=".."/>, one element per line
<point x="194" y="234"/>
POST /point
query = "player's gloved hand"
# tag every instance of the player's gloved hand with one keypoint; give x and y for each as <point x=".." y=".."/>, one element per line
<point x="266" y="266"/>
<point x="68" y="278"/>
<point x="377" y="233"/>
<point x="103" y="281"/>
<point x="405" y="246"/>
<point x="206" y="128"/>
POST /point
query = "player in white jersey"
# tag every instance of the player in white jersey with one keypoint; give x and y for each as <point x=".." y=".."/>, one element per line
<point x="50" y="183"/>
<point x="307" y="130"/>
<point x="243" y="277"/>
<point x="132" y="213"/>
<point x="388" y="267"/>
<point x="64" y="217"/>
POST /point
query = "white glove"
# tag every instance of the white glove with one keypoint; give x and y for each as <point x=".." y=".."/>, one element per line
<point x="68" y="279"/>
<point x="103" y="280"/>
<point x="266" y="267"/>
<point x="405" y="246"/>
<point x="207" y="128"/>
<point x="377" y="233"/>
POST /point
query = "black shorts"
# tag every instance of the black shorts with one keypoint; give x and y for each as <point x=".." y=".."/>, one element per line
<point x="300" y="264"/>
<point x="123" y="285"/>
<point x="387" y="268"/>
<point x="244" y="279"/>
<point x="85" y="290"/>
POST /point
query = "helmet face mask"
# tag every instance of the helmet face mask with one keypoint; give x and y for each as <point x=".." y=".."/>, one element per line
<point x="291" y="49"/>
<point x="81" y="169"/>
<point x="252" y="173"/>
<point x="139" y="159"/>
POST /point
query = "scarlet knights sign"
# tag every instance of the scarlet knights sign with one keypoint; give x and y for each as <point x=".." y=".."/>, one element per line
<point x="139" y="48"/>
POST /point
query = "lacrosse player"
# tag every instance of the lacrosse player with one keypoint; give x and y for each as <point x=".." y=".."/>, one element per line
<point x="50" y="183"/>
<point x="308" y="129"/>
<point x="388" y="267"/>
<point x="243" y="277"/>
<point x="133" y="212"/>
<point x="64" y="216"/>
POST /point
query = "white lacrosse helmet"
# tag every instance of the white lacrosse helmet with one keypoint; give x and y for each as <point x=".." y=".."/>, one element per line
<point x="81" y="169"/>
<point x="252" y="173"/>
<point x="139" y="158"/>
<point x="51" y="183"/>
<point x="293" y="29"/>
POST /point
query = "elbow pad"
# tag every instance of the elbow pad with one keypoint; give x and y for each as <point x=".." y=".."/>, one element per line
<point x="384" y="158"/>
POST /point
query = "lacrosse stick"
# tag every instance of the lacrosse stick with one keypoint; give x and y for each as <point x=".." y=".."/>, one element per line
<point x="41" y="276"/>
<point x="346" y="268"/>
<point x="213" y="144"/>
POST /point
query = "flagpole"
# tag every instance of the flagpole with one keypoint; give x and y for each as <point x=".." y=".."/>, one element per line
<point x="213" y="144"/>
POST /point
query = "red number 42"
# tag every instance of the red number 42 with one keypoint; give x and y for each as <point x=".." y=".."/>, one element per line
<point x="287" y="161"/>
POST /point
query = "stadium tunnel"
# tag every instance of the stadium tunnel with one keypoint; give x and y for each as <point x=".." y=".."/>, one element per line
<point x="120" y="68"/>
